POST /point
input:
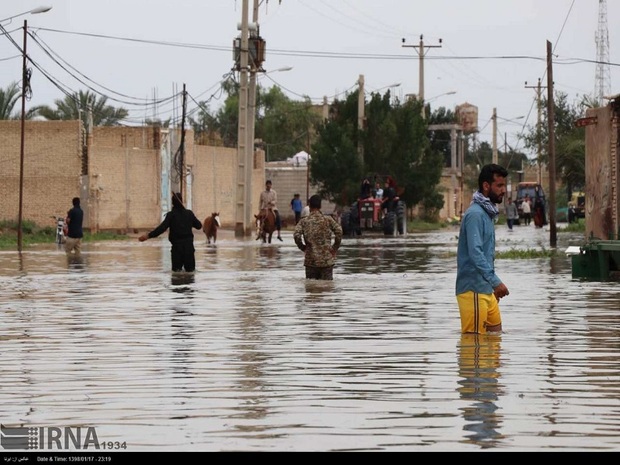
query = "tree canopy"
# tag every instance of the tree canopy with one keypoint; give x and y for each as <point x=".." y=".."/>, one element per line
<point x="8" y="99"/>
<point x="570" y="140"/>
<point x="393" y="142"/>
<point x="77" y="106"/>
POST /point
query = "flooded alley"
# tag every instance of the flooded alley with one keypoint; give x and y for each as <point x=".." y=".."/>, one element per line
<point x="247" y="355"/>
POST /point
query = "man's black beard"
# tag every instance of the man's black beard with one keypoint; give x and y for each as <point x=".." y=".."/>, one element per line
<point x="496" y="199"/>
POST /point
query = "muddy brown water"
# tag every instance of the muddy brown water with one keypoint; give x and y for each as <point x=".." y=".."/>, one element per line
<point x="246" y="355"/>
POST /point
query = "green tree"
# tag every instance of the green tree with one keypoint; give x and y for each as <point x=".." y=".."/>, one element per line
<point x="393" y="142"/>
<point x="570" y="140"/>
<point x="76" y="106"/>
<point x="8" y="99"/>
<point x="286" y="126"/>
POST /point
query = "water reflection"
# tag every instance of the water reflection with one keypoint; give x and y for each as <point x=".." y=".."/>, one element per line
<point x="76" y="262"/>
<point x="181" y="281"/>
<point x="479" y="361"/>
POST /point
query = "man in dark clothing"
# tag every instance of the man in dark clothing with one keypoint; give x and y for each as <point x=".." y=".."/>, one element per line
<point x="313" y="236"/>
<point x="389" y="194"/>
<point x="180" y="220"/>
<point x="75" y="218"/>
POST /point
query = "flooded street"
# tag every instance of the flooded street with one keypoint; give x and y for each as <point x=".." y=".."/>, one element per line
<point x="246" y="355"/>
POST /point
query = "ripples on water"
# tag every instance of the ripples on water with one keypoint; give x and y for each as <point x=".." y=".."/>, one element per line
<point x="246" y="354"/>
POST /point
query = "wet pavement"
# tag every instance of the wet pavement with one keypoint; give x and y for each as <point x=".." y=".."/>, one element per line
<point x="246" y="355"/>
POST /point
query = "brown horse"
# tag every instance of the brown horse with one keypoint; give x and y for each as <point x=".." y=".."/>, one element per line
<point x="210" y="225"/>
<point x="265" y="225"/>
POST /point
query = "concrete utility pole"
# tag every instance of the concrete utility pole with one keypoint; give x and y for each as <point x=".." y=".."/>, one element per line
<point x="538" y="88"/>
<point x="251" y="115"/>
<point x="242" y="138"/>
<point x="553" y="239"/>
<point x="494" y="118"/>
<point x="361" y="105"/>
<point x="422" y="51"/>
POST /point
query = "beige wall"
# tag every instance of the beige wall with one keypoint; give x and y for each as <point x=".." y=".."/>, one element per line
<point x="122" y="190"/>
<point x="52" y="168"/>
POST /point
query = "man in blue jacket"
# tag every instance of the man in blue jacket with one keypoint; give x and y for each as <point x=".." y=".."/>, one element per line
<point x="478" y="288"/>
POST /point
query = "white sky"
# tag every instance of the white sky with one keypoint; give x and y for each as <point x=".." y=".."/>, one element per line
<point x="134" y="71"/>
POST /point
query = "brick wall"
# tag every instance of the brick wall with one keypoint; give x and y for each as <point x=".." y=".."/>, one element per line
<point x="122" y="190"/>
<point x="52" y="168"/>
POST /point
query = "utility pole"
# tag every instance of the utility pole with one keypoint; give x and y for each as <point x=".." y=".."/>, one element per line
<point x="240" y="217"/>
<point x="551" y="123"/>
<point x="538" y="89"/>
<point x="25" y="90"/>
<point x="254" y="63"/>
<point x="182" y="170"/>
<point x="494" y="118"/>
<point x="422" y="50"/>
<point x="361" y="103"/>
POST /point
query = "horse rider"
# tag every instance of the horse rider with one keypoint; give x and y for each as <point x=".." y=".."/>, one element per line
<point x="268" y="201"/>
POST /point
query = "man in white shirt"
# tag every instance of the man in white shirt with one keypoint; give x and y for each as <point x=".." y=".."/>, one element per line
<point x="526" y="208"/>
<point x="268" y="201"/>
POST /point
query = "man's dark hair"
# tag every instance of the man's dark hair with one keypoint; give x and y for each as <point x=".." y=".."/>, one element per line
<point x="76" y="201"/>
<point x="315" y="201"/>
<point x="268" y="181"/>
<point x="177" y="200"/>
<point x="488" y="173"/>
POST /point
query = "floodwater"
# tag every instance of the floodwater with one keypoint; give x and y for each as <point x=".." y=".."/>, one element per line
<point x="246" y="355"/>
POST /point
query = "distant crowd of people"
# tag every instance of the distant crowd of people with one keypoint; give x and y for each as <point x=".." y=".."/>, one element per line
<point x="528" y="206"/>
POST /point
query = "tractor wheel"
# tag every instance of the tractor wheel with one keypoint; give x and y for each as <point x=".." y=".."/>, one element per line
<point x="389" y="224"/>
<point x="401" y="217"/>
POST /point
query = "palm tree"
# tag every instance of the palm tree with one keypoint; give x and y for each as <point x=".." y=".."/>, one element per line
<point x="8" y="99"/>
<point x="76" y="106"/>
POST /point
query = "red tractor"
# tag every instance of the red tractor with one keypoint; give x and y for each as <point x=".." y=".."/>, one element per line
<point x="371" y="212"/>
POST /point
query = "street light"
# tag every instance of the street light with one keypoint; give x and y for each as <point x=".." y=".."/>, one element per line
<point x="34" y="11"/>
<point x="284" y="68"/>
<point x="25" y="89"/>
<point x="511" y="120"/>
<point x="426" y="102"/>
<point x="452" y="92"/>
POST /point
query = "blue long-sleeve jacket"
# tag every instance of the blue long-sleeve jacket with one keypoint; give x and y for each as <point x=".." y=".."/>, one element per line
<point x="475" y="255"/>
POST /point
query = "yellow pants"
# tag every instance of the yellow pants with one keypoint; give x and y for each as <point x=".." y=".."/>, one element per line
<point x="478" y="311"/>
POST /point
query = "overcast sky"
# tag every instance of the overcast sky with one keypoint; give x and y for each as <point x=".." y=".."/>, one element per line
<point x="136" y="50"/>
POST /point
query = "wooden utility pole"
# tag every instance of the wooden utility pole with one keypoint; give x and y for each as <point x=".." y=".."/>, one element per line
<point x="422" y="51"/>
<point x="25" y="89"/>
<point x="538" y="89"/>
<point x="551" y="117"/>
<point x="361" y="105"/>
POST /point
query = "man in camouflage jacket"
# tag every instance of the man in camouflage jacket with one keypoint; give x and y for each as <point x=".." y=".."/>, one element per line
<point x="313" y="236"/>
